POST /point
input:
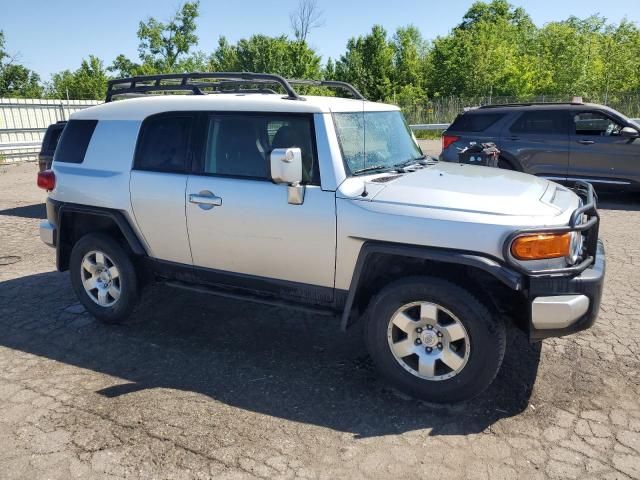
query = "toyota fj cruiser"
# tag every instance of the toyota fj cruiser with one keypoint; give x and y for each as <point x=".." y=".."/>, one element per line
<point x="322" y="203"/>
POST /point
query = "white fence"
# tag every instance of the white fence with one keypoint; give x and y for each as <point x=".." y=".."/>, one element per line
<point x="23" y="123"/>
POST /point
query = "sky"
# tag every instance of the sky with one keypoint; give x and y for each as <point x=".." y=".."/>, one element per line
<point x="50" y="36"/>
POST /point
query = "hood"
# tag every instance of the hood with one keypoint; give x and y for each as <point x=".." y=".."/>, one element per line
<point x="453" y="186"/>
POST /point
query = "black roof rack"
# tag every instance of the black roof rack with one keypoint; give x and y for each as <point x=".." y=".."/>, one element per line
<point x="331" y="84"/>
<point x="528" y="104"/>
<point x="219" y="82"/>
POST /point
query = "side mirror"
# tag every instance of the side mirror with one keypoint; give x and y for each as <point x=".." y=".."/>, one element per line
<point x="286" y="167"/>
<point x="629" y="132"/>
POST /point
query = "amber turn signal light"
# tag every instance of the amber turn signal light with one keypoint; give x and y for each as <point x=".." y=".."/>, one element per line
<point x="541" y="246"/>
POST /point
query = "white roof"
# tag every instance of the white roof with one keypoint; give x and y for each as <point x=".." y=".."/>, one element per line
<point x="141" y="107"/>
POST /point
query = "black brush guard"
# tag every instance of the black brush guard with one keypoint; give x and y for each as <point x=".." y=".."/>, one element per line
<point x="588" y="228"/>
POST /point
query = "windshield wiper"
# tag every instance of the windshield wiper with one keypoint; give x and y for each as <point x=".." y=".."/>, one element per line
<point x="371" y="169"/>
<point x="411" y="161"/>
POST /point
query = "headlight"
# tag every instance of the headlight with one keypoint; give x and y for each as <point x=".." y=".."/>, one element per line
<point x="541" y="246"/>
<point x="575" y="248"/>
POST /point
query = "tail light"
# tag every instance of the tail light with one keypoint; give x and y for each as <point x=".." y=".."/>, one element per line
<point x="47" y="180"/>
<point x="448" y="140"/>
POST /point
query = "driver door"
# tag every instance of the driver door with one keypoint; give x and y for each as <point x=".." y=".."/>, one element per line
<point x="242" y="231"/>
<point x="599" y="152"/>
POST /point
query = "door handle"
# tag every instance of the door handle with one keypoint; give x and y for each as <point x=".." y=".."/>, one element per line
<point x="205" y="200"/>
<point x="586" y="142"/>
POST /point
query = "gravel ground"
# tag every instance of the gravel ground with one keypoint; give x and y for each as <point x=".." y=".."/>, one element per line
<point x="203" y="387"/>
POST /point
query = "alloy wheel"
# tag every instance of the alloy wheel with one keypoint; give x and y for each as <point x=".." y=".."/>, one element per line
<point x="428" y="341"/>
<point x="100" y="278"/>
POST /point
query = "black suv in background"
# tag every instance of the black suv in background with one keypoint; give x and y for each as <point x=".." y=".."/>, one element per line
<point x="49" y="144"/>
<point x="562" y="142"/>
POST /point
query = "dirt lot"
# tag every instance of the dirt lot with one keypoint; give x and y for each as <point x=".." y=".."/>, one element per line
<point x="203" y="387"/>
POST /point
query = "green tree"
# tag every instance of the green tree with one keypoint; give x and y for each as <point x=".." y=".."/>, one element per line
<point x="164" y="46"/>
<point x="487" y="54"/>
<point x="368" y="64"/>
<point x="329" y="70"/>
<point x="16" y="80"/>
<point x="409" y="61"/>
<point x="568" y="60"/>
<point x="87" y="82"/>
<point x="620" y="54"/>
<point x="225" y="57"/>
<point x="495" y="11"/>
<point x="264" y="54"/>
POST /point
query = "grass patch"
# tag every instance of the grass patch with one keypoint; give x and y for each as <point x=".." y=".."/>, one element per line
<point x="428" y="134"/>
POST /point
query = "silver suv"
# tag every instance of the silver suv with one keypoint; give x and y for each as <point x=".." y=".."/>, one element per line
<point x="323" y="203"/>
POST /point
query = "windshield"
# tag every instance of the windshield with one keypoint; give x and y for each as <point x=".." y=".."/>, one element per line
<point x="374" y="141"/>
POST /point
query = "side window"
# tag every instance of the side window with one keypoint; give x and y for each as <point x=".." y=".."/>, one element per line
<point x="541" y="122"/>
<point x="239" y="145"/>
<point x="474" y="122"/>
<point x="163" y="144"/>
<point x="594" y="123"/>
<point x="74" y="141"/>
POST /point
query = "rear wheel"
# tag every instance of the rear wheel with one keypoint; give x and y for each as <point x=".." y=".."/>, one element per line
<point x="434" y="340"/>
<point x="104" y="278"/>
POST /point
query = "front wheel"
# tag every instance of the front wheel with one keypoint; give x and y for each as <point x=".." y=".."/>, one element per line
<point x="103" y="277"/>
<point x="434" y="340"/>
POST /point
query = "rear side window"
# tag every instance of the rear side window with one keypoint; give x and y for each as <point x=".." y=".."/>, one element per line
<point x="74" y="141"/>
<point x="163" y="145"/>
<point x="475" y="122"/>
<point x="541" y="121"/>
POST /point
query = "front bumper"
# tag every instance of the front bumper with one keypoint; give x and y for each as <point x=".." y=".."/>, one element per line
<point x="563" y="305"/>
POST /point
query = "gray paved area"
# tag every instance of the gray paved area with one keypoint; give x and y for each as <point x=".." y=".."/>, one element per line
<point x="431" y="147"/>
<point x="202" y="387"/>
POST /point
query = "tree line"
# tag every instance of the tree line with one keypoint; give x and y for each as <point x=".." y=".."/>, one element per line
<point x="495" y="50"/>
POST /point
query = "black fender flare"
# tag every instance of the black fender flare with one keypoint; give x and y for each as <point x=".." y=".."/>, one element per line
<point x="116" y="216"/>
<point x="510" y="277"/>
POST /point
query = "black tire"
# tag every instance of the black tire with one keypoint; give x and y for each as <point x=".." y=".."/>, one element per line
<point x="128" y="281"/>
<point x="486" y="334"/>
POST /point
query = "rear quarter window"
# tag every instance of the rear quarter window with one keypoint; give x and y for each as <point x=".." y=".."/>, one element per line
<point x="74" y="141"/>
<point x="474" y="122"/>
<point x="163" y="144"/>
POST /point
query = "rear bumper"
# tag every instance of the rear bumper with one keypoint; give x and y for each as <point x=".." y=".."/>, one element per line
<point x="48" y="233"/>
<point x="564" y="305"/>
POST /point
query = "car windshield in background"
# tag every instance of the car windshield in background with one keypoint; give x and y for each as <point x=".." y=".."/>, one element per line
<point x="374" y="141"/>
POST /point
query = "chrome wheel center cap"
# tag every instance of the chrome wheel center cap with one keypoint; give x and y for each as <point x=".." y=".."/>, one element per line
<point x="429" y="338"/>
<point x="105" y="277"/>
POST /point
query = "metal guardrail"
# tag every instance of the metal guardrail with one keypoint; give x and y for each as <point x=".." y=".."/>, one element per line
<point x="429" y="126"/>
<point x="14" y="146"/>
